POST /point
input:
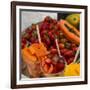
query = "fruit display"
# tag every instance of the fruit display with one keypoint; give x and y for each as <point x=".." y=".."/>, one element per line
<point x="45" y="53"/>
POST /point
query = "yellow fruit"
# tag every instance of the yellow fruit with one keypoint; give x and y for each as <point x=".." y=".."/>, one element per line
<point x="72" y="70"/>
<point x="73" y="19"/>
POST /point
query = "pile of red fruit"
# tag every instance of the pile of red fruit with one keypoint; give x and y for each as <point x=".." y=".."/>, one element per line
<point x="49" y="31"/>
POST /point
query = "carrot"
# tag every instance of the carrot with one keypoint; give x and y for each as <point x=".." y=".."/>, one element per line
<point x="70" y="31"/>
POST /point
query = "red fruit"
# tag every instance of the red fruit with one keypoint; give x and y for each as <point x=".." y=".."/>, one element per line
<point x="48" y="61"/>
<point x="40" y="26"/>
<point x="61" y="45"/>
<point x="22" y="45"/>
<point x="63" y="50"/>
<point x="54" y="21"/>
<point x="53" y="51"/>
<point x="75" y="49"/>
<point x="50" y="32"/>
<point x="51" y="35"/>
<point x="48" y="19"/>
<point x="55" y="69"/>
<point x="57" y="33"/>
<point x="43" y="32"/>
<point x="48" y="42"/>
<point x="60" y="66"/>
<point x="32" y="39"/>
<point x="44" y="26"/>
<point x="51" y="26"/>
<point x="54" y="44"/>
<point x="23" y="40"/>
<point x="70" y="60"/>
<point x="69" y="53"/>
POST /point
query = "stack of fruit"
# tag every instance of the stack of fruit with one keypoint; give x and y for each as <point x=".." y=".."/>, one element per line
<point x="68" y="35"/>
<point x="49" y="29"/>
